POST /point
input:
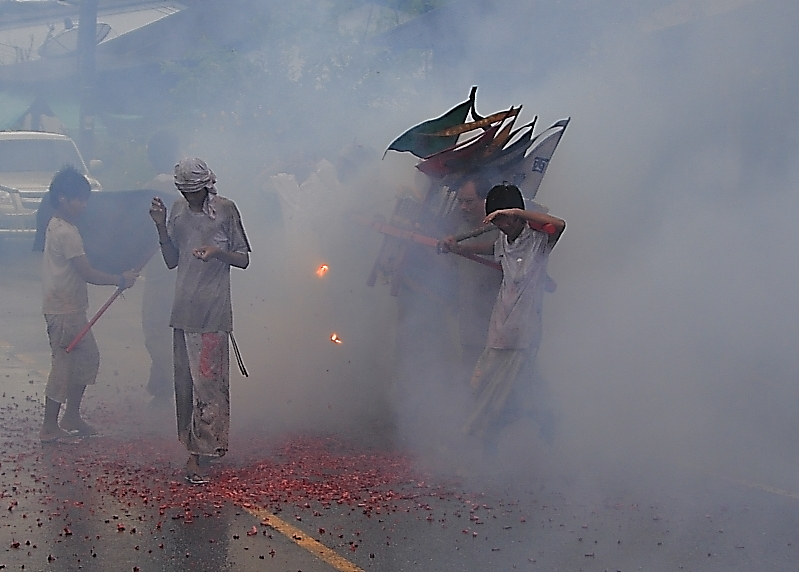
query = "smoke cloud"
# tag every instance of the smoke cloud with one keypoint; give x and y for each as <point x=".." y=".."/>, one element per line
<point x="670" y="338"/>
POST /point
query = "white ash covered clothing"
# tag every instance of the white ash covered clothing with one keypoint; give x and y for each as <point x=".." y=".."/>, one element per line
<point x="64" y="303"/>
<point x="202" y="391"/>
<point x="202" y="290"/>
<point x="76" y="368"/>
<point x="516" y="319"/>
<point x="496" y="386"/>
<point x="502" y="377"/>
<point x="64" y="291"/>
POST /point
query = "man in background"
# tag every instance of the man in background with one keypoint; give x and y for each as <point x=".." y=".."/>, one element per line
<point x="159" y="282"/>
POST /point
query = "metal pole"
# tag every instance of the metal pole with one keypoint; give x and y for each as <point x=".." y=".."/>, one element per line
<point x="87" y="43"/>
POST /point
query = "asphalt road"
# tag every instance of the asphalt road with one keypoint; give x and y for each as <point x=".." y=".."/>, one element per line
<point x="324" y="502"/>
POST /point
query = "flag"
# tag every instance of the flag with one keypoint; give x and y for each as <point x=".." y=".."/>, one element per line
<point x="529" y="173"/>
<point x="464" y="156"/>
<point x="422" y="142"/>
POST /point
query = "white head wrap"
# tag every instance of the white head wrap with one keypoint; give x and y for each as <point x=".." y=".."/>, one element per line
<point x="193" y="175"/>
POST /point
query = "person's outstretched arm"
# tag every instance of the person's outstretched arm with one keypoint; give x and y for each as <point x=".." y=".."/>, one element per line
<point x="91" y="275"/>
<point x="168" y="250"/>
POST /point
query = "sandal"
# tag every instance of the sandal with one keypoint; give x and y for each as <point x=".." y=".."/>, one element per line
<point x="80" y="429"/>
<point x="63" y="437"/>
<point x="196" y="479"/>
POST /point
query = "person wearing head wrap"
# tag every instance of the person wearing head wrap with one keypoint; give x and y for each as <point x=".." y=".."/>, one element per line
<point x="203" y="237"/>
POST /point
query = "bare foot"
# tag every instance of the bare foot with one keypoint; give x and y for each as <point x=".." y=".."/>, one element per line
<point x="77" y="427"/>
<point x="193" y="465"/>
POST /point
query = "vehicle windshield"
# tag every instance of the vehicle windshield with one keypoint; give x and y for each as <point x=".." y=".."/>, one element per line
<point x="45" y="155"/>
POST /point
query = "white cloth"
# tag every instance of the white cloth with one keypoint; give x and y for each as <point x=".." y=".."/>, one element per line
<point x="193" y="175"/>
<point x="516" y="318"/>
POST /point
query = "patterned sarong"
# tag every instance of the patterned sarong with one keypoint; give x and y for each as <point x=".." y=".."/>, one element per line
<point x="202" y="396"/>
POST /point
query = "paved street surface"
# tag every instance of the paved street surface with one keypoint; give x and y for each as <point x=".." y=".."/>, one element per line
<point x="320" y="502"/>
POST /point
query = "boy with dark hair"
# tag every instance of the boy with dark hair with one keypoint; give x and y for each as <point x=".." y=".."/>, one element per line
<point x="514" y="333"/>
<point x="203" y="238"/>
<point x="65" y="273"/>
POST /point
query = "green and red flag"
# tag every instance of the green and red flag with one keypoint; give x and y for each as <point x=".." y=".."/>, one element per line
<point x="469" y="153"/>
<point x="423" y="140"/>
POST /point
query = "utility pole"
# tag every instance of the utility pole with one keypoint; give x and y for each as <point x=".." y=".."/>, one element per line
<point x="87" y="44"/>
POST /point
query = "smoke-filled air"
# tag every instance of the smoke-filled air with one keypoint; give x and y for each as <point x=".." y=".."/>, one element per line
<point x="667" y="352"/>
<point x="669" y="339"/>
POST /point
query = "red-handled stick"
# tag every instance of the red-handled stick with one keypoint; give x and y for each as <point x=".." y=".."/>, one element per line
<point x="96" y="317"/>
<point x="104" y="307"/>
<point x="403" y="234"/>
<point x="548" y="227"/>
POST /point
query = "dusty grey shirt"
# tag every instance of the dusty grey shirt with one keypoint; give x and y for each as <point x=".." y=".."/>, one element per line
<point x="516" y="319"/>
<point x="202" y="289"/>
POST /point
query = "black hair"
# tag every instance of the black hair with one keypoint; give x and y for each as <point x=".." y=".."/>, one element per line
<point x="163" y="149"/>
<point x="69" y="183"/>
<point x="504" y="196"/>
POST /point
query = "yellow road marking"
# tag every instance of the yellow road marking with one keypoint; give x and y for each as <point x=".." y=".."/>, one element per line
<point x="25" y="358"/>
<point x="766" y="488"/>
<point x="303" y="540"/>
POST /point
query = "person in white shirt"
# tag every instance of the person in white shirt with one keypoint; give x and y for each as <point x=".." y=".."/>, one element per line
<point x="514" y="333"/>
<point x="65" y="273"/>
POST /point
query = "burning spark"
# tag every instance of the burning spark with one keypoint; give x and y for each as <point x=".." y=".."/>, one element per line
<point x="322" y="270"/>
<point x="335" y="339"/>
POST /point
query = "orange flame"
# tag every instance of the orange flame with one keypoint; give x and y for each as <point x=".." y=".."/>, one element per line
<point x="322" y="270"/>
<point x="335" y="339"/>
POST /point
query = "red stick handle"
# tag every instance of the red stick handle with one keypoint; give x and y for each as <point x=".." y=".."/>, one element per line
<point x="548" y="227"/>
<point x="392" y="230"/>
<point x="105" y="306"/>
<point x="96" y="317"/>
